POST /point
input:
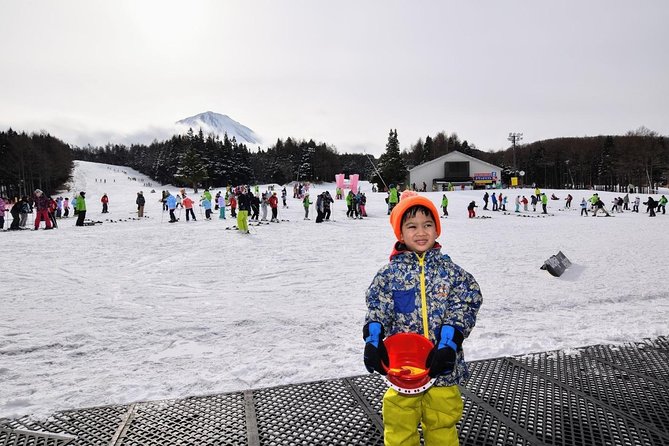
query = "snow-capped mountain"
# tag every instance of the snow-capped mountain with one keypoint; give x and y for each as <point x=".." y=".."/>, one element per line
<point x="219" y="124"/>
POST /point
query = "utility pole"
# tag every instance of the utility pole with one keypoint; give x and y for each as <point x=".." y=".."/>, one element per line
<point x="514" y="137"/>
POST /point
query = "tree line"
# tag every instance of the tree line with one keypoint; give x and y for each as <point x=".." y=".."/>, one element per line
<point x="207" y="160"/>
<point x="29" y="162"/>
<point x="640" y="157"/>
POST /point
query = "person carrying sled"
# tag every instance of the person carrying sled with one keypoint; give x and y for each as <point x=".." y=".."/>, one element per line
<point x="421" y="291"/>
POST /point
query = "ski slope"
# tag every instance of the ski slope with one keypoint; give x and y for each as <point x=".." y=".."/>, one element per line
<point x="143" y="310"/>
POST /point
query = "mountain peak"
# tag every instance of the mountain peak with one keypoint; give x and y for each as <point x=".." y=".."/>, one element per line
<point x="212" y="122"/>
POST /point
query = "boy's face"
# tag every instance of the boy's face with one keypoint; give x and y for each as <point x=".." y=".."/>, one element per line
<point x="419" y="232"/>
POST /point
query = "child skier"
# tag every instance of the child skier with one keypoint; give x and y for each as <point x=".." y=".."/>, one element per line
<point x="221" y="206"/>
<point x="662" y="205"/>
<point x="206" y="204"/>
<point x="422" y="291"/>
<point x="233" y="206"/>
<point x="306" y="203"/>
<point x="584" y="207"/>
<point x="470" y="208"/>
<point x="444" y="205"/>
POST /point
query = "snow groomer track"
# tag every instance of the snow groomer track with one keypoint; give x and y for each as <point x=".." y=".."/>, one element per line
<point x="598" y="395"/>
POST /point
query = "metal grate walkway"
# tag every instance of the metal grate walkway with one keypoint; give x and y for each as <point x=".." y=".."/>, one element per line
<point x="598" y="395"/>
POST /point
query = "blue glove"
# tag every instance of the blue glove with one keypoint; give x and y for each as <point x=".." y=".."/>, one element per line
<point x="376" y="354"/>
<point x="442" y="357"/>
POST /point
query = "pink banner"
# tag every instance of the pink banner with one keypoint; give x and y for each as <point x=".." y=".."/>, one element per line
<point x="339" y="178"/>
<point x="351" y="183"/>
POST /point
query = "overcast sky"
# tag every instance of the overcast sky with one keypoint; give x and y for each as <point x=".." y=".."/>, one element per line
<point x="341" y="72"/>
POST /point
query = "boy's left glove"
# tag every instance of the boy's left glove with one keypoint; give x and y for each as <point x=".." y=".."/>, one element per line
<point x="442" y="357"/>
<point x="376" y="355"/>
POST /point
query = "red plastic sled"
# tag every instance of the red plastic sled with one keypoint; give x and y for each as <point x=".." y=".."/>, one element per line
<point x="407" y="353"/>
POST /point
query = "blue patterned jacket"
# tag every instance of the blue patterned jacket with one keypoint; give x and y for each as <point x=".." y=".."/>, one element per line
<point x="453" y="298"/>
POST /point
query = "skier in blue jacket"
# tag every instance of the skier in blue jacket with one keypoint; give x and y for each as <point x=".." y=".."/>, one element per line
<point x="171" y="203"/>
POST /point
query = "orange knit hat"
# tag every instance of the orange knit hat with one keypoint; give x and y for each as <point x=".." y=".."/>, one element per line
<point x="409" y="199"/>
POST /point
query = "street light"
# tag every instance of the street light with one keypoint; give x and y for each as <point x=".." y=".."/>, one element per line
<point x="514" y="137"/>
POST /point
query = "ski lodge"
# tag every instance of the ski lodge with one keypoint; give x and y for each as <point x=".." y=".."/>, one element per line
<point x="458" y="169"/>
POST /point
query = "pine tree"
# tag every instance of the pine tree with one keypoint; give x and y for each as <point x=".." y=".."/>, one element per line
<point x="428" y="148"/>
<point x="391" y="165"/>
<point x="604" y="166"/>
<point x="191" y="169"/>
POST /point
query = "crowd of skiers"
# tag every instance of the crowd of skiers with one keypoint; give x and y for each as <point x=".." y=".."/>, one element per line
<point x="45" y="208"/>
<point x="248" y="204"/>
<point x="621" y="204"/>
<point x="245" y="205"/>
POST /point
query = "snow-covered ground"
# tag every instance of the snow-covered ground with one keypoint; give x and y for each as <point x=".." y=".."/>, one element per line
<point x="141" y="310"/>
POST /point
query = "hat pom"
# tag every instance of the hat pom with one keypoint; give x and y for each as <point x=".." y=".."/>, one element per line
<point x="408" y="193"/>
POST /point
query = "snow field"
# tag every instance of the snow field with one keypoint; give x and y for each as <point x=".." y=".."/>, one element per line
<point x="142" y="310"/>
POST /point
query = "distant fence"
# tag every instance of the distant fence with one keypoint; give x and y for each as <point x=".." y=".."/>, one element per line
<point x="627" y="189"/>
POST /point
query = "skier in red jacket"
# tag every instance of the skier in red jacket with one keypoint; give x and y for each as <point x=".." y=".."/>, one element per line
<point x="273" y="204"/>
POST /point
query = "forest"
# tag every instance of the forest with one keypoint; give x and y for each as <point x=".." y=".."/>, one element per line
<point x="29" y="162"/>
<point x="640" y="157"/>
<point x="196" y="159"/>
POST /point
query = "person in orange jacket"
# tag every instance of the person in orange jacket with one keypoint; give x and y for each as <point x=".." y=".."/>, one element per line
<point x="187" y="203"/>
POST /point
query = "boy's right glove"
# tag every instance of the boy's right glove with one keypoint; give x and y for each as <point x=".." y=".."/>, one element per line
<point x="376" y="354"/>
<point x="442" y="357"/>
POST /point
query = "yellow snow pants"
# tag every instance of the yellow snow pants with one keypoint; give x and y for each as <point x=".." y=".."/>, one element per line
<point x="242" y="223"/>
<point x="438" y="409"/>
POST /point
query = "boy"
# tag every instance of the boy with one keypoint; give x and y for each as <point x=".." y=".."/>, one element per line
<point x="421" y="291"/>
